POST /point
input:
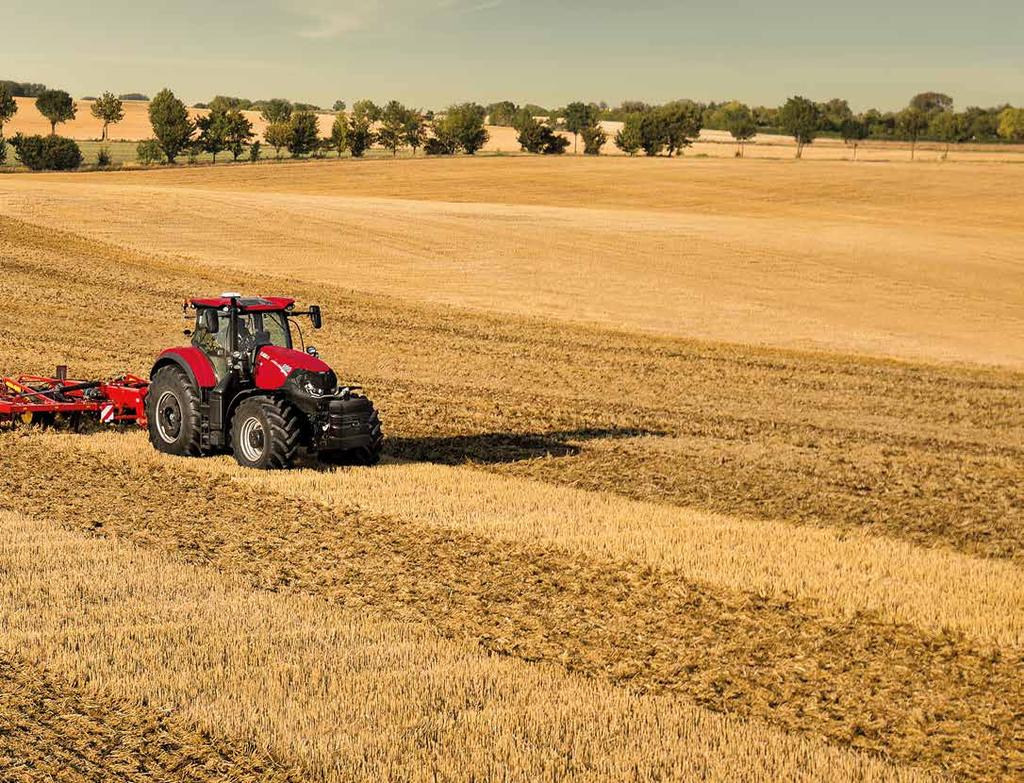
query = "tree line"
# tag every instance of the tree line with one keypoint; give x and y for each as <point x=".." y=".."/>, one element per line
<point x="653" y="129"/>
<point x="670" y="127"/>
<point x="296" y="128"/>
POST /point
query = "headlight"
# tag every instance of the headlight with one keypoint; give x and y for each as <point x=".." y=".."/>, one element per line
<point x="316" y="384"/>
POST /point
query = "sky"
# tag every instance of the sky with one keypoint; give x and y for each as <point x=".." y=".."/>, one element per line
<point x="431" y="53"/>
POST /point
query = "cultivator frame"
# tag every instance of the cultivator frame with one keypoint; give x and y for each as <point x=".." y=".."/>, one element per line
<point x="30" y="399"/>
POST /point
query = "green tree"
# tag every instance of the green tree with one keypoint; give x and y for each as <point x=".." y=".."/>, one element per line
<point x="276" y="110"/>
<point x="931" y="102"/>
<point x="853" y="131"/>
<point x="360" y="133"/>
<point x="171" y="124"/>
<point x="8" y="106"/>
<point x="278" y="135"/>
<point x="414" y="131"/>
<point x="227" y="103"/>
<point x="305" y="135"/>
<point x="736" y="118"/>
<point x="254" y="151"/>
<point x="502" y="113"/>
<point x="213" y="132"/>
<point x="594" y="138"/>
<point x="520" y="119"/>
<point x="463" y="125"/>
<point x="57" y="106"/>
<point x="391" y="133"/>
<point x="628" y="138"/>
<point x="339" y="134"/>
<point x="681" y="123"/>
<point x="577" y="116"/>
<point x="652" y="133"/>
<point x="441" y="142"/>
<point x="981" y="124"/>
<point x="834" y="113"/>
<point x="948" y="127"/>
<point x="239" y="132"/>
<point x="339" y="106"/>
<point x="911" y="123"/>
<point x="109" y="109"/>
<point x="800" y="118"/>
<point x="1011" y="124"/>
<point x="366" y="110"/>
<point x="540" y="139"/>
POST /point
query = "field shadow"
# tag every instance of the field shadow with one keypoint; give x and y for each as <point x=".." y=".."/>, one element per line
<point x="492" y="448"/>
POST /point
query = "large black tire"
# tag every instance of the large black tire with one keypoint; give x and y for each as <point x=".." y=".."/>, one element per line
<point x="365" y="455"/>
<point x="265" y="433"/>
<point x="172" y="407"/>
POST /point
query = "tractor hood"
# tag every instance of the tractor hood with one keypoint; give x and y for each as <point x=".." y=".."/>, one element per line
<point x="274" y="365"/>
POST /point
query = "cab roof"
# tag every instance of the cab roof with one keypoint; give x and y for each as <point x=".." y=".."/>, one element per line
<point x="254" y="304"/>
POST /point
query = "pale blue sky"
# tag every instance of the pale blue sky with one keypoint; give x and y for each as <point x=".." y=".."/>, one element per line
<point x="429" y="53"/>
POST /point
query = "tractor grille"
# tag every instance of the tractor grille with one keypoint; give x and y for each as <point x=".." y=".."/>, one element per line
<point x="349" y="417"/>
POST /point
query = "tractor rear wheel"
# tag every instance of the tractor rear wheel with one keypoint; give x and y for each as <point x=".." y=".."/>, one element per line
<point x="172" y="407"/>
<point x="265" y="433"/>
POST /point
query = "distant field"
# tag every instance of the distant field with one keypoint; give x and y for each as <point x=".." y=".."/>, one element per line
<point x="901" y="260"/>
<point x="695" y="470"/>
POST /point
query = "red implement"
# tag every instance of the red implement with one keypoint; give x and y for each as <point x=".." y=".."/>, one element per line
<point x="29" y="398"/>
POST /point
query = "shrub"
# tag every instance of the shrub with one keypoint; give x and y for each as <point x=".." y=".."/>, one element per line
<point x="436" y="146"/>
<point x="594" y="138"/>
<point x="3" y="150"/>
<point x="52" y="153"/>
<point x="629" y="139"/>
<point x="539" y="139"/>
<point x="103" y="157"/>
<point x="254" y="151"/>
<point x="149" y="152"/>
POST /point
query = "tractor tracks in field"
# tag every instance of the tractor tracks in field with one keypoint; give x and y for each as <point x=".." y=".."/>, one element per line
<point x="920" y="698"/>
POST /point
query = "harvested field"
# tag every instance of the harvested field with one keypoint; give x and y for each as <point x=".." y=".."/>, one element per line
<point x="735" y="538"/>
<point x="884" y="267"/>
<point x="339" y="694"/>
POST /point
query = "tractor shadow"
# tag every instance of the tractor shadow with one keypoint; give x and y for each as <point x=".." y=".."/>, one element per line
<point x="494" y="448"/>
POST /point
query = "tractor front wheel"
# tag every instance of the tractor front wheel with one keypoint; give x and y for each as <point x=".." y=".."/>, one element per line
<point x="172" y="407"/>
<point x="265" y="433"/>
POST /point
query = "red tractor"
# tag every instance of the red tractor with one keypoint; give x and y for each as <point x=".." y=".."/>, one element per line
<point x="241" y="385"/>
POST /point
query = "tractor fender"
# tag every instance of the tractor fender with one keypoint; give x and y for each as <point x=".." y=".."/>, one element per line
<point x="193" y="361"/>
<point x="238" y="399"/>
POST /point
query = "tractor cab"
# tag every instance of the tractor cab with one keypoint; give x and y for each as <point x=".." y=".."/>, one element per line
<point x="232" y="326"/>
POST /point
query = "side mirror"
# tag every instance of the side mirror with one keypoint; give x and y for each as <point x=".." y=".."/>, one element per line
<point x="210" y="321"/>
<point x="315" y="316"/>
